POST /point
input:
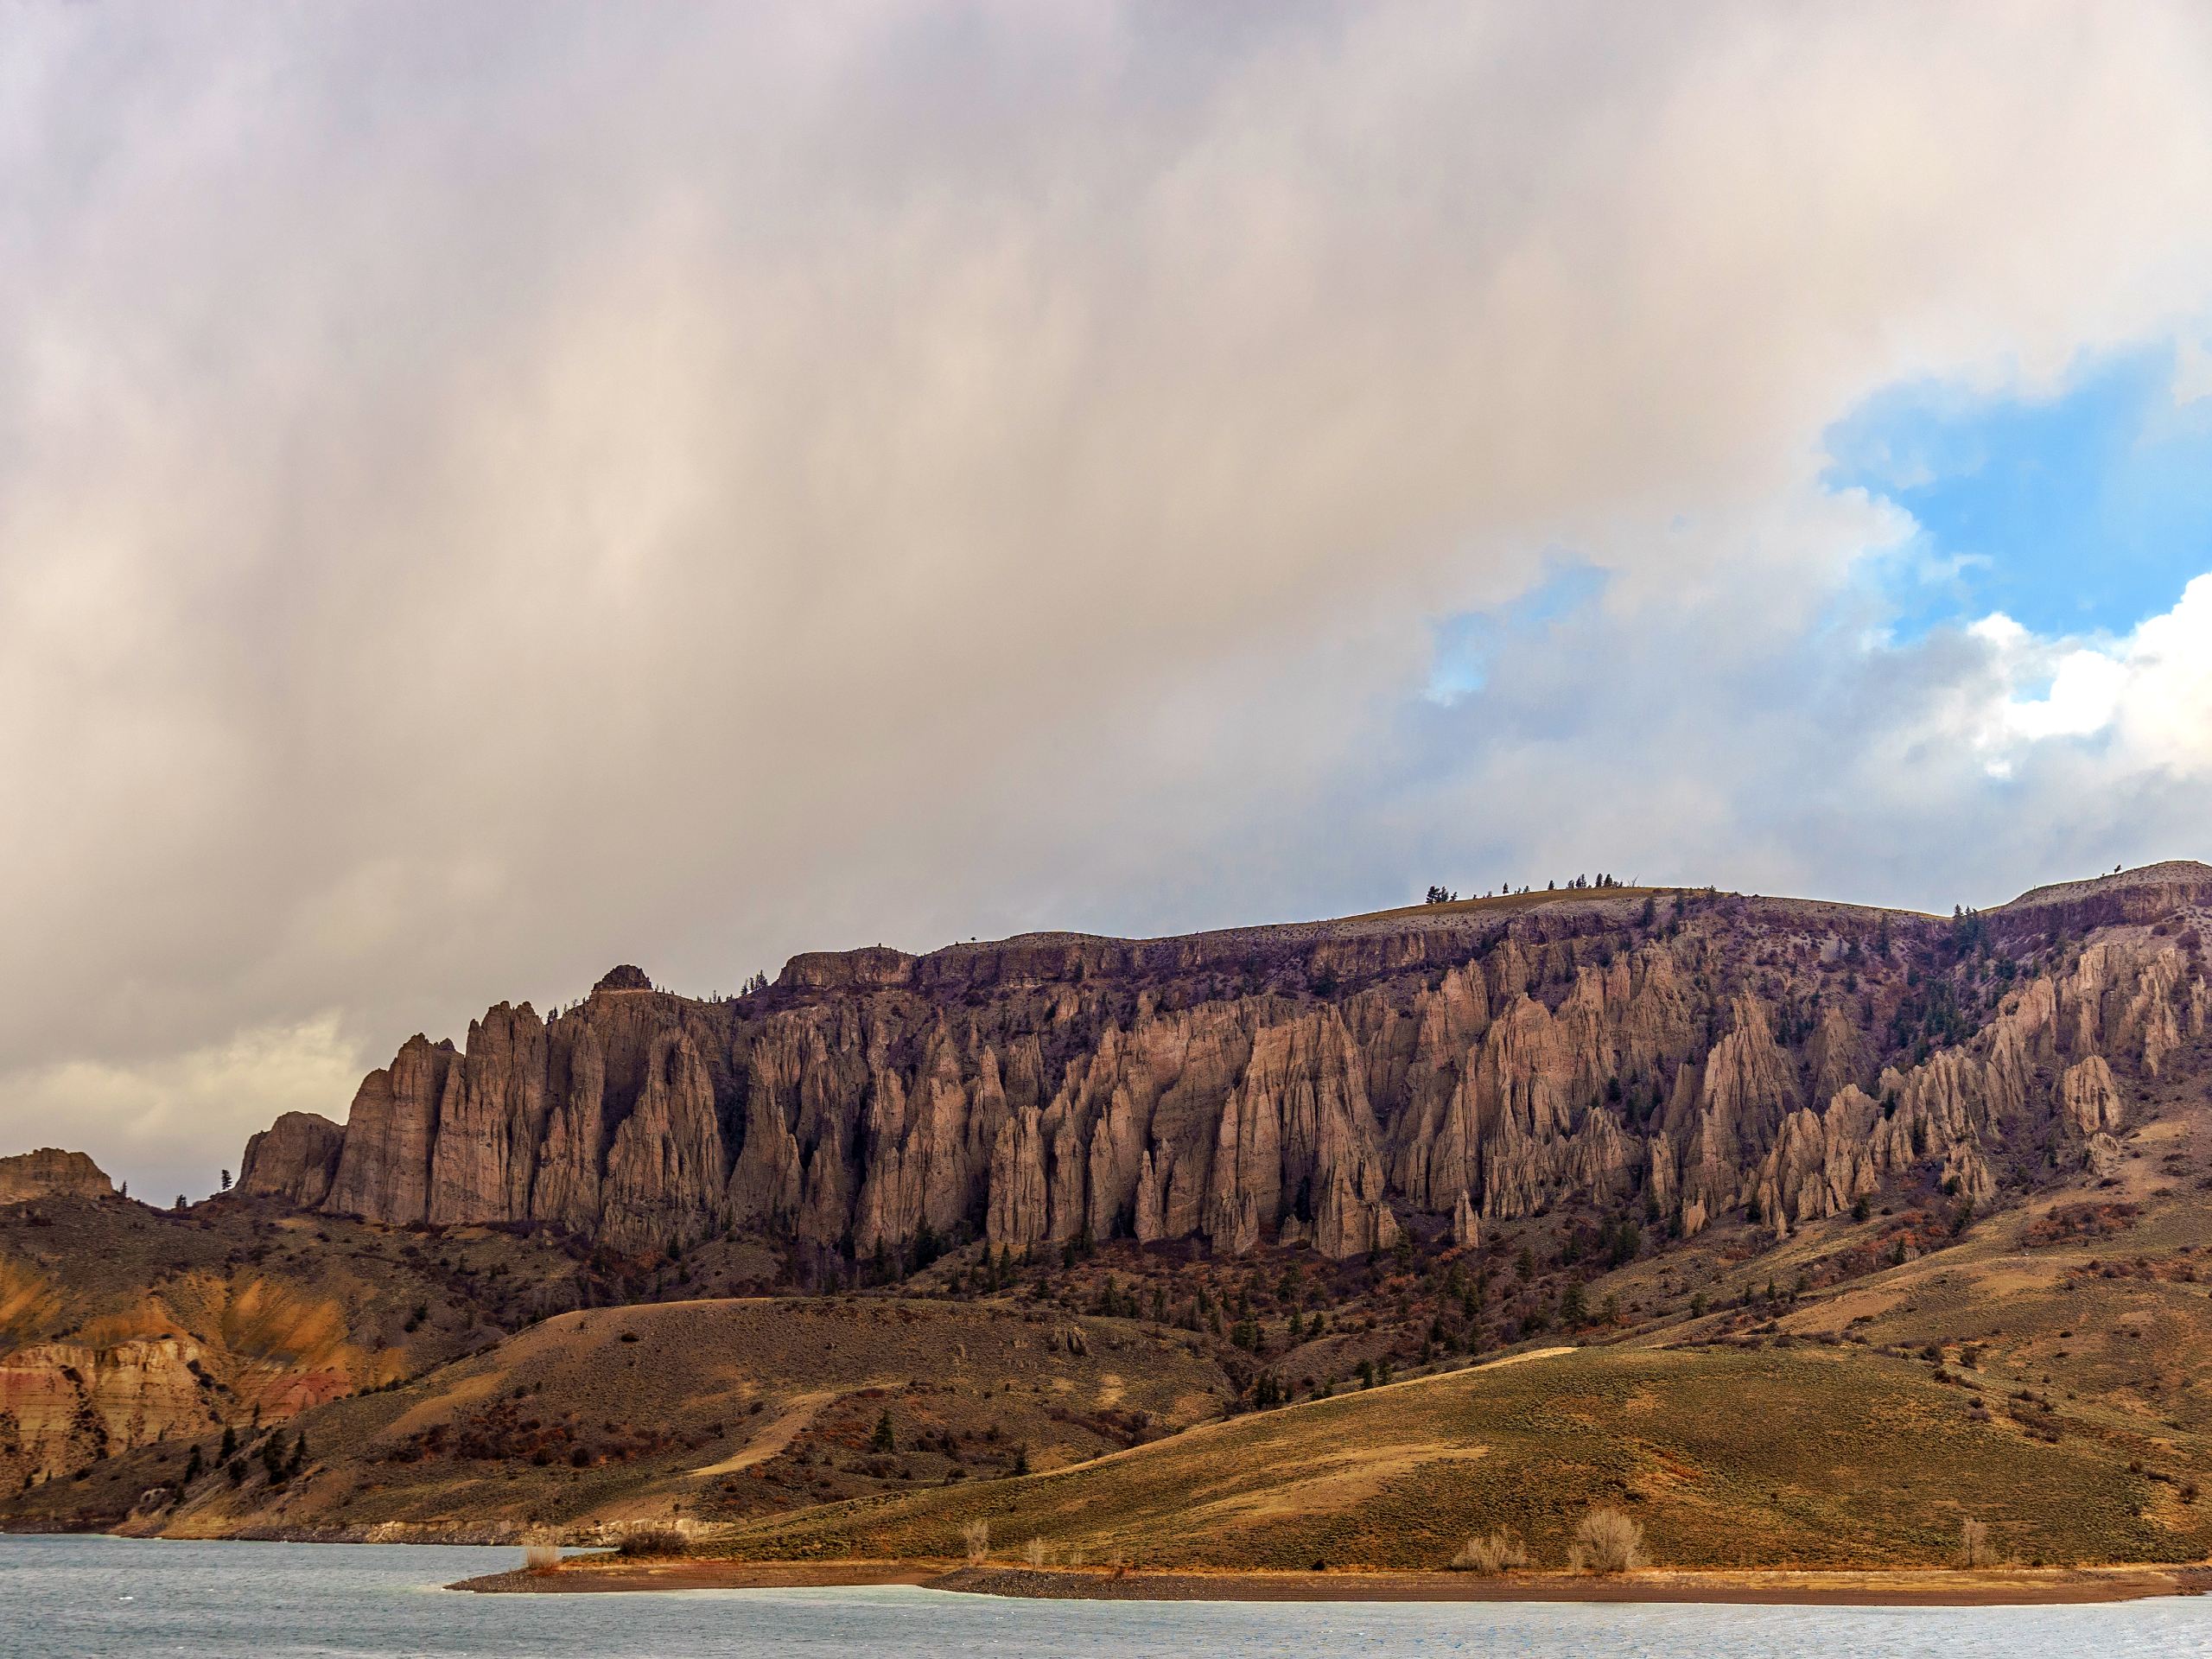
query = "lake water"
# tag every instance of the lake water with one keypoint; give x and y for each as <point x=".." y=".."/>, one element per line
<point x="64" y="1598"/>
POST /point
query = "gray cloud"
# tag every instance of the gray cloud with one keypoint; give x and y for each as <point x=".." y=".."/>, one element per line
<point x="689" y="484"/>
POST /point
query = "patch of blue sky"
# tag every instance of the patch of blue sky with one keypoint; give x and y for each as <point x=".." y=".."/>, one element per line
<point x="1466" y="642"/>
<point x="2081" y="512"/>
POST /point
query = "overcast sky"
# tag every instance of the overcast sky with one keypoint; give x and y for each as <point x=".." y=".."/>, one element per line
<point x="489" y="491"/>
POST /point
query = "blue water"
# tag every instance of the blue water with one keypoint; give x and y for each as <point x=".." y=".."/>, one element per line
<point x="76" y="1598"/>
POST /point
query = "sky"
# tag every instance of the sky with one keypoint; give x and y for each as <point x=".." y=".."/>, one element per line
<point x="484" y="499"/>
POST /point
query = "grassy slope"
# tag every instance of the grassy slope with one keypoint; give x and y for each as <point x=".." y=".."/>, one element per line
<point x="1805" y="1455"/>
<point x="717" y="1410"/>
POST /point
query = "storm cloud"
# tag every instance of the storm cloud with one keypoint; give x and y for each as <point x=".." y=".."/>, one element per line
<point x="485" y="493"/>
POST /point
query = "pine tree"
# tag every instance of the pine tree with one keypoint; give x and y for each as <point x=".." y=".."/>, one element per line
<point x="883" y="1439"/>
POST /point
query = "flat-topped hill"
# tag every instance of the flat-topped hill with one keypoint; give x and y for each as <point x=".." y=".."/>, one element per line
<point x="1337" y="1083"/>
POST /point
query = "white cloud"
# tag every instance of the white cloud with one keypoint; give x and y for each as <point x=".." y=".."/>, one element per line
<point x="2148" y="692"/>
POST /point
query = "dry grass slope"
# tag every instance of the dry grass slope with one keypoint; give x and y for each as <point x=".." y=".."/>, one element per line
<point x="1725" y="1457"/>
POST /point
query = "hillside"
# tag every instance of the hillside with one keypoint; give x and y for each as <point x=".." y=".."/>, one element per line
<point x="2042" y="1370"/>
<point x="1802" y="1169"/>
<point x="1798" y="1456"/>
<point x="121" y="1325"/>
<point x="712" y="1411"/>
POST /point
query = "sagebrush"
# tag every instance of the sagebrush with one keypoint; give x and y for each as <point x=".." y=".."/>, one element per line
<point x="1496" y="1552"/>
<point x="1607" y="1540"/>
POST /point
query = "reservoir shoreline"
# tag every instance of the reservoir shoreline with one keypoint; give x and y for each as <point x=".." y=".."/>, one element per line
<point x="1921" y="1588"/>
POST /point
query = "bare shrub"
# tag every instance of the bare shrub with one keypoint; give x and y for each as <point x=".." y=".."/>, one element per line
<point x="1034" y="1552"/>
<point x="1605" y="1540"/>
<point x="977" y="1535"/>
<point x="1497" y="1551"/>
<point x="653" y="1541"/>
<point x="541" y="1558"/>
<point x="1975" y="1548"/>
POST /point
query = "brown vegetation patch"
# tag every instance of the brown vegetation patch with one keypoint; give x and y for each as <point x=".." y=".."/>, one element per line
<point x="2066" y="1222"/>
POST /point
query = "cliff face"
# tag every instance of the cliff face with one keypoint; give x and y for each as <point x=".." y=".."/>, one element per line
<point x="1693" y="1054"/>
<point x="73" y="1387"/>
<point x="63" y="1404"/>
<point x="293" y="1158"/>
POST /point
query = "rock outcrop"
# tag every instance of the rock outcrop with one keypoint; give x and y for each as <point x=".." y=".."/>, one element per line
<point x="1692" y="1055"/>
<point x="50" y="1172"/>
<point x="383" y="1169"/>
<point x="293" y="1158"/>
<point x="2089" y="1101"/>
<point x="64" y="1404"/>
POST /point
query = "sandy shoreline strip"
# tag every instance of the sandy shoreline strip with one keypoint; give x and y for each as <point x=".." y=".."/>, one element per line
<point x="1930" y="1587"/>
<point x="590" y="1575"/>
